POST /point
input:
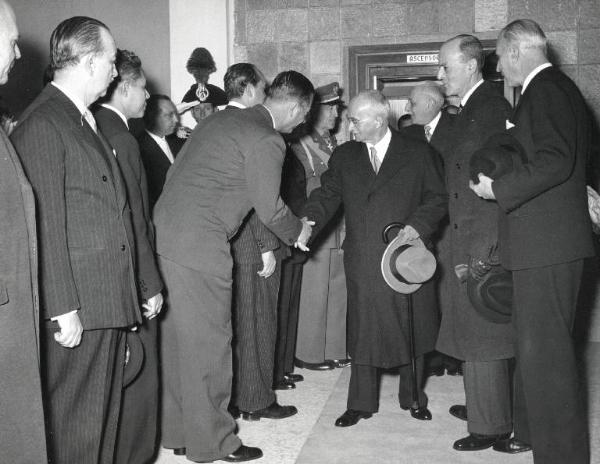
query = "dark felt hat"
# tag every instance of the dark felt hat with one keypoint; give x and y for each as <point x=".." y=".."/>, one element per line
<point x="328" y="94"/>
<point x="498" y="156"/>
<point x="490" y="291"/>
<point x="134" y="358"/>
<point x="405" y="266"/>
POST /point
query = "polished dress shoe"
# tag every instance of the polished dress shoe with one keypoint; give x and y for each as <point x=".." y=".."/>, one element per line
<point x="293" y="377"/>
<point x="435" y="371"/>
<point x="477" y="442"/>
<point x="459" y="411"/>
<point x="418" y="413"/>
<point x="243" y="453"/>
<point x="511" y="446"/>
<point x="274" y="411"/>
<point x="351" y="417"/>
<point x="179" y="451"/>
<point x="284" y="385"/>
<point x="455" y="370"/>
<point x="323" y="366"/>
<point x="340" y="363"/>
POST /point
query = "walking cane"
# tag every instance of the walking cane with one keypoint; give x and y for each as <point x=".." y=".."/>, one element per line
<point x="416" y="410"/>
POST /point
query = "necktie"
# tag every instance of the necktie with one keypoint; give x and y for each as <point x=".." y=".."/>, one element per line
<point x="460" y="108"/>
<point x="374" y="160"/>
<point x="90" y="120"/>
<point x="428" y="132"/>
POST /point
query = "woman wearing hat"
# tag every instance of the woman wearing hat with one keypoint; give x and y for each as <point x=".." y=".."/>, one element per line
<point x="321" y="340"/>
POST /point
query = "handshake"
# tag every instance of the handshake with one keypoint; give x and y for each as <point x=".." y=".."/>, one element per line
<point x="304" y="234"/>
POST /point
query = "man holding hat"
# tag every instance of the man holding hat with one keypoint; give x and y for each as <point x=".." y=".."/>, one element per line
<point x="380" y="178"/>
<point x="321" y="341"/>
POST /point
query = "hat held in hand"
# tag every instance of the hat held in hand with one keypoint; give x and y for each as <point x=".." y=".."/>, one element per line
<point x="405" y="266"/>
<point x="500" y="154"/>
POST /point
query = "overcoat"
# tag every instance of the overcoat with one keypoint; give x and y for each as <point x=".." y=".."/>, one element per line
<point x="465" y="334"/>
<point x="22" y="435"/>
<point x="408" y="189"/>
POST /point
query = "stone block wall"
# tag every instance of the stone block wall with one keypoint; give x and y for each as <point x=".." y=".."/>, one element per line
<point x="312" y="36"/>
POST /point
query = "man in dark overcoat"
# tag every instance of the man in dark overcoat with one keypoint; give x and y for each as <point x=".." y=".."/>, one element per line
<point x="380" y="178"/>
<point x="88" y="292"/>
<point x="22" y="436"/>
<point x="138" y="421"/>
<point x="484" y="346"/>
<point x="545" y="234"/>
<point x="231" y="164"/>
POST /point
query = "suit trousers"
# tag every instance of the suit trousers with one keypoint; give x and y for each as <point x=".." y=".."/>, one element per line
<point x="287" y="317"/>
<point x="487" y="392"/>
<point x="322" y="313"/>
<point x="82" y="388"/>
<point x="196" y="361"/>
<point x="138" y="422"/>
<point x="363" y="391"/>
<point x="255" y="333"/>
<point x="549" y="411"/>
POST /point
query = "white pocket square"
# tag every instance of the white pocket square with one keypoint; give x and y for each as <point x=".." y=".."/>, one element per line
<point x="509" y="125"/>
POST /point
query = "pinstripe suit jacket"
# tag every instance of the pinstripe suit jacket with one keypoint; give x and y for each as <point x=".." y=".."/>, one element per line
<point x="84" y="224"/>
<point x="134" y="175"/>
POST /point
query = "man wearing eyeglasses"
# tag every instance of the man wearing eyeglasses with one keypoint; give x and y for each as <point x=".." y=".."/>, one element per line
<point x="380" y="178"/>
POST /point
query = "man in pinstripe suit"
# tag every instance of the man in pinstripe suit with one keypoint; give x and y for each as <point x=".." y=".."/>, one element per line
<point x="87" y="286"/>
<point x="257" y="256"/>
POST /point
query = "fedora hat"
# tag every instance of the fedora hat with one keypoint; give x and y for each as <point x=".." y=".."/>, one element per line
<point x="490" y="287"/>
<point x="498" y="156"/>
<point x="406" y="265"/>
<point x="134" y="359"/>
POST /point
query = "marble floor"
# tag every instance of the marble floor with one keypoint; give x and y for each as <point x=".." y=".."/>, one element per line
<point x="390" y="436"/>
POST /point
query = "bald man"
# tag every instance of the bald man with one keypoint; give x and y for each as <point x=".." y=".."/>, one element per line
<point x="22" y="438"/>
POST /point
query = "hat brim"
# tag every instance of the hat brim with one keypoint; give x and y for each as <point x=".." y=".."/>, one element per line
<point x="386" y="267"/>
<point x="492" y="297"/>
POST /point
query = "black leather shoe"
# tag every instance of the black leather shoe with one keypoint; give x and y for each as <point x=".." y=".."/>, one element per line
<point x="351" y="417"/>
<point x="293" y="377"/>
<point x="455" y="370"/>
<point x="511" y="446"/>
<point x="234" y="411"/>
<point x="324" y="366"/>
<point x="476" y="442"/>
<point x="179" y="451"/>
<point x="435" y="371"/>
<point x="418" y="413"/>
<point x="274" y="411"/>
<point x="243" y="453"/>
<point x="340" y="363"/>
<point x="459" y="411"/>
<point x="284" y="385"/>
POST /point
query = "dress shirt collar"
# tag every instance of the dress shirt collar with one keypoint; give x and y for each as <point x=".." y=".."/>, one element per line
<point x="121" y="115"/>
<point x="532" y="74"/>
<point x="381" y="147"/>
<point x="467" y="95"/>
<point x="434" y="122"/>
<point x="236" y="104"/>
<point x="75" y="99"/>
<point x="163" y="144"/>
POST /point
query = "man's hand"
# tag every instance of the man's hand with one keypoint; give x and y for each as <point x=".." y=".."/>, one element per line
<point x="269" y="263"/>
<point x="304" y="234"/>
<point x="407" y="234"/>
<point x="71" y="330"/>
<point x="153" y="306"/>
<point x="484" y="188"/>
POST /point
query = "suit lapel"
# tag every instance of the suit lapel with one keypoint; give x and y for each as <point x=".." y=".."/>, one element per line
<point x="392" y="161"/>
